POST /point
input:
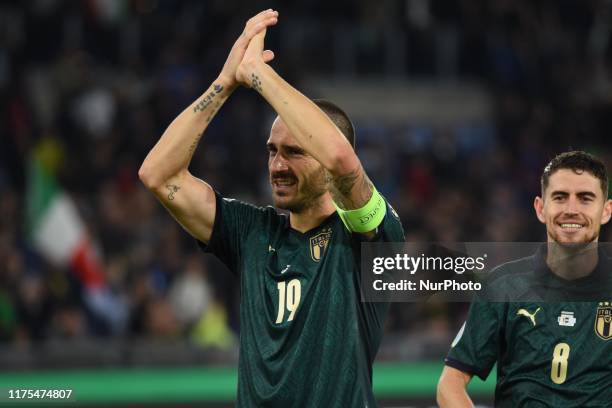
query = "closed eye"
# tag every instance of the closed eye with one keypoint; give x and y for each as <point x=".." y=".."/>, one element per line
<point x="271" y="148"/>
<point x="294" y="151"/>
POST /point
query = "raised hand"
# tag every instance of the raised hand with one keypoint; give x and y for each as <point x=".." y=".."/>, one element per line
<point x="254" y="26"/>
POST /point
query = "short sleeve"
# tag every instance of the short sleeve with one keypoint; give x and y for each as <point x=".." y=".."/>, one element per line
<point x="234" y="220"/>
<point x="475" y="348"/>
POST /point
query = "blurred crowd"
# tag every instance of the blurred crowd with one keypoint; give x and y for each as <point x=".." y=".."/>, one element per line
<point x="102" y="79"/>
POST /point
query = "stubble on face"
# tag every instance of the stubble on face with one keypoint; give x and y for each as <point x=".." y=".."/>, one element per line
<point x="591" y="235"/>
<point x="309" y="190"/>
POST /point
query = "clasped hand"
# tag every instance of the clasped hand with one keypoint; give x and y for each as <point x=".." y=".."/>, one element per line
<point x="248" y="51"/>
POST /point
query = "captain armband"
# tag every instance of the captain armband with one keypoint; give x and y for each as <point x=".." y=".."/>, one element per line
<point x="366" y="218"/>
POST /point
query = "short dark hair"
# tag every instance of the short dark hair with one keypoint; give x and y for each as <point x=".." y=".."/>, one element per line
<point x="339" y="117"/>
<point x="577" y="161"/>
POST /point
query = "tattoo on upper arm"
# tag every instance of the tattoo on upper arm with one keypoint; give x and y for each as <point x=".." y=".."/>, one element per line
<point x="342" y="187"/>
<point x="172" y="188"/>
<point x="207" y="99"/>
<point x="255" y="83"/>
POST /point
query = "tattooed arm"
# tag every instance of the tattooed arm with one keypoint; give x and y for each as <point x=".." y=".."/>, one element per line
<point x="165" y="169"/>
<point x="314" y="131"/>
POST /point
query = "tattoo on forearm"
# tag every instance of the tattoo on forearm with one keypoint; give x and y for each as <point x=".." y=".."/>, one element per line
<point x="255" y="83"/>
<point x="207" y="99"/>
<point x="204" y="102"/>
<point x="172" y="188"/>
<point x="343" y="185"/>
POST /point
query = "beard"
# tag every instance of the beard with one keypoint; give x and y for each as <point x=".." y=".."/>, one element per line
<point x="587" y="238"/>
<point x="308" y="191"/>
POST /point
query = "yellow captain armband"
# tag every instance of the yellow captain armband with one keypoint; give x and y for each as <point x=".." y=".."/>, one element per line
<point x="366" y="218"/>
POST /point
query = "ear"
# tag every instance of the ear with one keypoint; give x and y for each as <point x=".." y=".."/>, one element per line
<point x="538" y="205"/>
<point x="607" y="212"/>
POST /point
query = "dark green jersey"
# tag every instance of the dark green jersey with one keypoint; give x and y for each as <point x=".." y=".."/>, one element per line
<point x="548" y="354"/>
<point x="306" y="339"/>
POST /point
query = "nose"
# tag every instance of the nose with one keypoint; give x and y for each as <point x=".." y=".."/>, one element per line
<point x="571" y="207"/>
<point x="278" y="162"/>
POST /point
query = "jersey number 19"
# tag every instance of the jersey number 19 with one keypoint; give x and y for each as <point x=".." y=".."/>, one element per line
<point x="289" y="294"/>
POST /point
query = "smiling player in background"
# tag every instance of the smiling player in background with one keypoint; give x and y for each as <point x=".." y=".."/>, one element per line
<point x="548" y="354"/>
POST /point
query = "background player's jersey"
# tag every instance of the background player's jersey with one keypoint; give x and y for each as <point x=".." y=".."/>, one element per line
<point x="306" y="338"/>
<point x="548" y="354"/>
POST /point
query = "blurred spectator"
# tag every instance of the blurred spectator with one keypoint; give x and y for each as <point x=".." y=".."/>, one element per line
<point x="160" y="319"/>
<point x="190" y="293"/>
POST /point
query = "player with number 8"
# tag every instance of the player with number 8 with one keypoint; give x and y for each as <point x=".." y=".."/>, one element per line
<point x="556" y="352"/>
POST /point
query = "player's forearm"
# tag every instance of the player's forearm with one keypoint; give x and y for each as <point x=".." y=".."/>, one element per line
<point x="452" y="392"/>
<point x="312" y="128"/>
<point x="171" y="156"/>
<point x="454" y="399"/>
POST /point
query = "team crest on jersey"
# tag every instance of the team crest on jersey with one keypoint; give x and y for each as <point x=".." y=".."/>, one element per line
<point x="603" y="321"/>
<point x="318" y="244"/>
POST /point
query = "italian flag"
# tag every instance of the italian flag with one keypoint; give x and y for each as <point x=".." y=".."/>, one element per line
<point x="55" y="227"/>
<point x="58" y="233"/>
